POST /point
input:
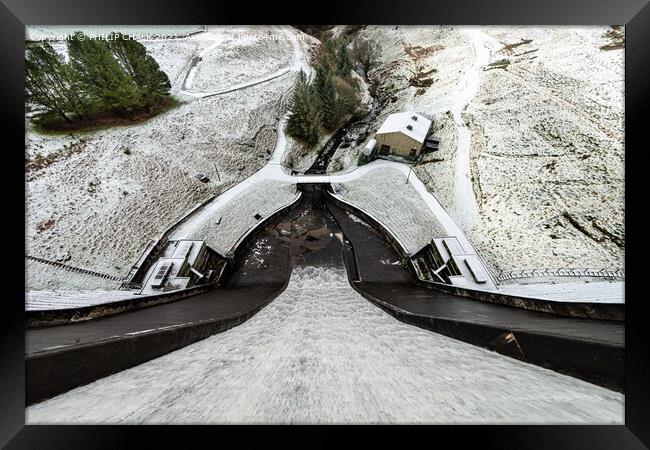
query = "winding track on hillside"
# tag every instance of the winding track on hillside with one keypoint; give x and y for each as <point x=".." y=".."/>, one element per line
<point x="297" y="63"/>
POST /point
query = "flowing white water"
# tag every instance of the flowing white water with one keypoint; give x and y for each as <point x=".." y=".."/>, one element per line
<point x="321" y="353"/>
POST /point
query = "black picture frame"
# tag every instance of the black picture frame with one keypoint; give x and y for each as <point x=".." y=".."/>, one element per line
<point x="15" y="14"/>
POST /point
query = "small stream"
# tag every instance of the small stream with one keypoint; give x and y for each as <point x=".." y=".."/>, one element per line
<point x="325" y="154"/>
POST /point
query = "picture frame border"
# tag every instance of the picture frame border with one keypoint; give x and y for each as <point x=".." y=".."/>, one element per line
<point x="16" y="14"/>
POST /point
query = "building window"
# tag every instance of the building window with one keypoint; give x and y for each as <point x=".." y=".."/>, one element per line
<point x="384" y="150"/>
<point x="414" y="151"/>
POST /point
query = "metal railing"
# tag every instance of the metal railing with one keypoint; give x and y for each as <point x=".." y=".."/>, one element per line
<point x="74" y="269"/>
<point x="562" y="272"/>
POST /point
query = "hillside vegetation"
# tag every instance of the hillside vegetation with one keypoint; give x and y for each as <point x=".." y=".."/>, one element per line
<point x="103" y="81"/>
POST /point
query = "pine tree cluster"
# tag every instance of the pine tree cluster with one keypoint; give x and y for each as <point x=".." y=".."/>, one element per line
<point x="323" y="103"/>
<point x="114" y="74"/>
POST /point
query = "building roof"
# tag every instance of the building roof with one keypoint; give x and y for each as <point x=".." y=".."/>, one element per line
<point x="399" y="122"/>
<point x="188" y="249"/>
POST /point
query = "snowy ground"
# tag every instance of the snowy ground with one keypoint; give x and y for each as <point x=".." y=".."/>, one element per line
<point x="299" y="157"/>
<point x="550" y="170"/>
<point x="531" y="160"/>
<point x="320" y="353"/>
<point x="240" y="59"/>
<point x="44" y="277"/>
<point x="101" y="196"/>
<point x="385" y="194"/>
<point x="60" y="299"/>
<point x="221" y="226"/>
<point x="570" y="291"/>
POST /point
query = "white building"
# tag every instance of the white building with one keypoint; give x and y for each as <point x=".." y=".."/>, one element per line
<point x="403" y="134"/>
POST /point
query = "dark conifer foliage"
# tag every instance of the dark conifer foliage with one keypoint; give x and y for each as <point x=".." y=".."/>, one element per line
<point x="305" y="120"/>
<point x="112" y="75"/>
<point x="326" y="101"/>
<point x="327" y="97"/>
<point x="143" y="69"/>
<point x="100" y="78"/>
<point x="50" y="83"/>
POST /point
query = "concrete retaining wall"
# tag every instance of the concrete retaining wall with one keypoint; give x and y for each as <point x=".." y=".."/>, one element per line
<point x="599" y="363"/>
<point x="53" y="372"/>
<point x="378" y="226"/>
<point x="586" y="310"/>
<point x="590" y="310"/>
<point x="45" y="318"/>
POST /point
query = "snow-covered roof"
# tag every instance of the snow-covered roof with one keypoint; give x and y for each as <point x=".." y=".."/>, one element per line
<point x="400" y="122"/>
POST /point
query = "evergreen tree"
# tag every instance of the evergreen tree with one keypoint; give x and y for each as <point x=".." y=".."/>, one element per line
<point x="312" y="121"/>
<point x="343" y="63"/>
<point x="326" y="95"/>
<point x="305" y="120"/>
<point x="329" y="56"/>
<point x="101" y="78"/>
<point x="152" y="82"/>
<point x="295" y="125"/>
<point x="49" y="82"/>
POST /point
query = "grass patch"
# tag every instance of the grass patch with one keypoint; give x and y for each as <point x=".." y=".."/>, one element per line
<point x="616" y="35"/>
<point x="420" y="80"/>
<point x="53" y="124"/>
<point x="417" y="52"/>
<point x="613" y="45"/>
<point x="500" y="64"/>
<point x="44" y="225"/>
<point x="39" y="162"/>
<point x="509" y="47"/>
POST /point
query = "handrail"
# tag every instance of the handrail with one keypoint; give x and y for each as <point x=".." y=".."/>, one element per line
<point x="74" y="269"/>
<point x="561" y="272"/>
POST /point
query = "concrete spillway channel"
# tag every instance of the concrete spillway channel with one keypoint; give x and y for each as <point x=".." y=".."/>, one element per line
<point x="317" y="232"/>
<point x="60" y="358"/>
<point x="321" y="353"/>
<point x="589" y="349"/>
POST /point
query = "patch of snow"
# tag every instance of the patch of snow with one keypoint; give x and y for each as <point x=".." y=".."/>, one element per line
<point x="573" y="291"/>
<point x="356" y="219"/>
<point x="236" y="209"/>
<point x="384" y="194"/>
<point x="52" y="300"/>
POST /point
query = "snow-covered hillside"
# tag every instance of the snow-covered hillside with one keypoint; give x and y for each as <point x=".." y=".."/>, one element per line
<point x="530" y="164"/>
<point x="95" y="199"/>
<point x="531" y="122"/>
